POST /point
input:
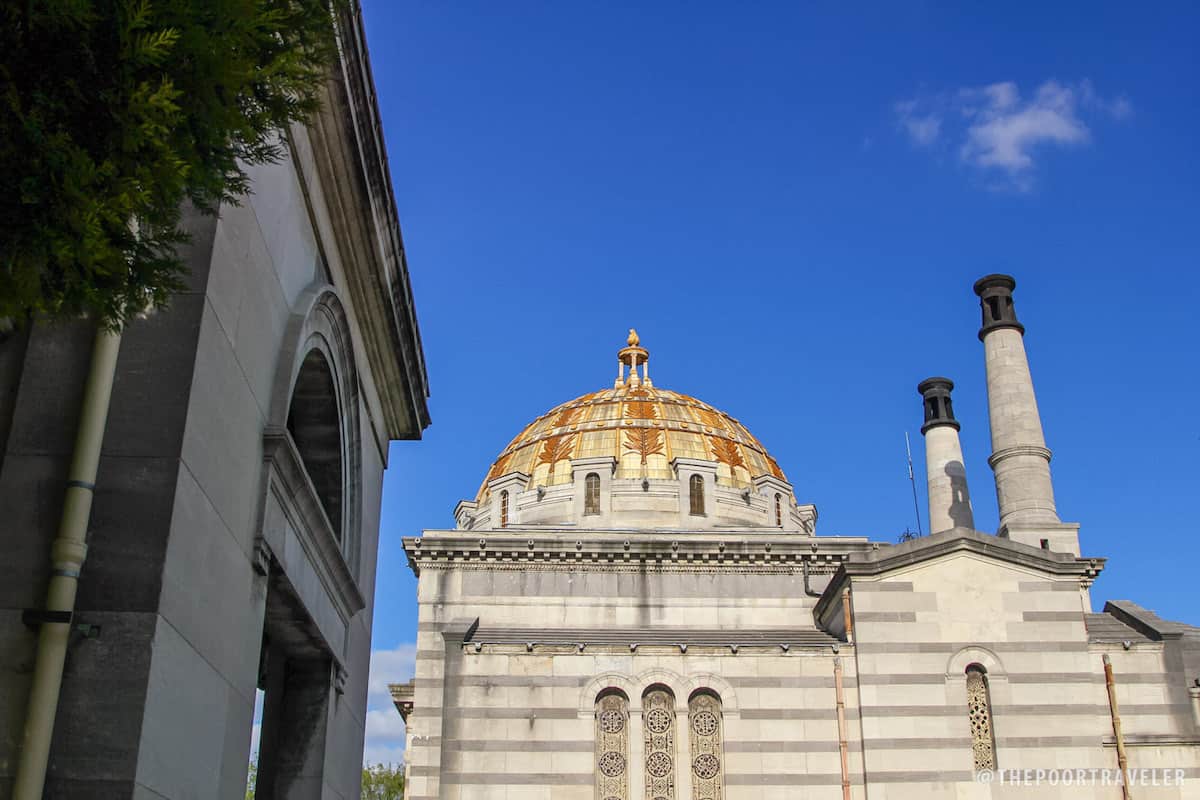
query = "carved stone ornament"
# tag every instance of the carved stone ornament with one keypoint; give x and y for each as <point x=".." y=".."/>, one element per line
<point x="979" y="712"/>
<point x="658" y="715"/>
<point x="612" y="748"/>
<point x="704" y="722"/>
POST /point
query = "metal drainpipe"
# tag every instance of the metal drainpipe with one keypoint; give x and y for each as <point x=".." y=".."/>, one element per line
<point x="858" y="671"/>
<point x="67" y="555"/>
<point x="843" y="744"/>
<point x="847" y="616"/>
<point x="1115" y="711"/>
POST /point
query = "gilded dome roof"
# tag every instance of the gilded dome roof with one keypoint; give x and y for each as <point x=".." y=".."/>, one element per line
<point x="640" y="425"/>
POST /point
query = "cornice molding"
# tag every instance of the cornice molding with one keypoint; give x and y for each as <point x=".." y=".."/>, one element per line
<point x="671" y="551"/>
<point x="403" y="695"/>
<point x="351" y="159"/>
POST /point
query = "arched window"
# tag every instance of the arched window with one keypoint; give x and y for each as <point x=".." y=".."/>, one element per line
<point x="778" y="510"/>
<point x="696" y="495"/>
<point x="612" y="745"/>
<point x="707" y="746"/>
<point x="591" y="494"/>
<point x="979" y="712"/>
<point x="315" y="425"/>
<point x="658" y="725"/>
<point x="504" y="509"/>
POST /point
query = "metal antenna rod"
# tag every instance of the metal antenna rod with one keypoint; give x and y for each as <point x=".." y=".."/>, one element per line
<point x="912" y="479"/>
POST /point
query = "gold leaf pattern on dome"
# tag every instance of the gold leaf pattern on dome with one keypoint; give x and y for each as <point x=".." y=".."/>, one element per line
<point x="644" y="441"/>
<point x="709" y="418"/>
<point x="774" y="465"/>
<point x="555" y="449"/>
<point x="498" y="468"/>
<point x="641" y="409"/>
<point x="642" y="428"/>
<point x="566" y="417"/>
<point x="726" y="451"/>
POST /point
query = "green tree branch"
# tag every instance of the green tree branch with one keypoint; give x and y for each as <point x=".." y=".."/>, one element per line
<point x="115" y="112"/>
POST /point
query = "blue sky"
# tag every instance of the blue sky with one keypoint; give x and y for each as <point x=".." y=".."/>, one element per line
<point x="791" y="202"/>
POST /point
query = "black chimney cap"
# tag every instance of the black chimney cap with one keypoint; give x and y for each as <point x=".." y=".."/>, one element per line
<point x="996" y="303"/>
<point x="938" y="409"/>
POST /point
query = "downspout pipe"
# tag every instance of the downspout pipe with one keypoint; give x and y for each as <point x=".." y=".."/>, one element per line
<point x="843" y="743"/>
<point x="848" y="616"/>
<point x="1115" y="710"/>
<point x="67" y="555"/>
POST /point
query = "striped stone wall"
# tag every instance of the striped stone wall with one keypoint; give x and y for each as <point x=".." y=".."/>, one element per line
<point x="498" y="717"/>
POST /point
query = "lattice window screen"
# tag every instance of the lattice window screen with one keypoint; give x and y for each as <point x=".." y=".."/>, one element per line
<point x="612" y="748"/>
<point x="658" y="721"/>
<point x="979" y="712"/>
<point x="591" y="494"/>
<point x="708" y="761"/>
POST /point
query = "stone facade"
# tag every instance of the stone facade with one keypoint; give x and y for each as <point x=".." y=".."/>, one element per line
<point x="233" y="536"/>
<point x="656" y="649"/>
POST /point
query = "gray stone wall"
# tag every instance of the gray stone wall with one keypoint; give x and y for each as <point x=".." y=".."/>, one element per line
<point x="208" y="536"/>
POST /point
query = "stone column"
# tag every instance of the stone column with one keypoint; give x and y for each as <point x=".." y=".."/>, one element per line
<point x="946" y="477"/>
<point x="1019" y="455"/>
<point x="295" y="722"/>
<point x="637" y="750"/>
<point x="683" y="751"/>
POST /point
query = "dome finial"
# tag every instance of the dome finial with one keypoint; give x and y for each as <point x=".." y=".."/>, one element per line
<point x="633" y="356"/>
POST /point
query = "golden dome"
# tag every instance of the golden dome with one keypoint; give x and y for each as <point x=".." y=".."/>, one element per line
<point x="643" y="427"/>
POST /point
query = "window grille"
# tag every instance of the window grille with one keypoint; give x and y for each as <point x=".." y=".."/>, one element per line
<point x="979" y="712"/>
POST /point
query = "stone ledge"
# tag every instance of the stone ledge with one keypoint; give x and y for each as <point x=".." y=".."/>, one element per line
<point x="747" y="550"/>
<point x="289" y="481"/>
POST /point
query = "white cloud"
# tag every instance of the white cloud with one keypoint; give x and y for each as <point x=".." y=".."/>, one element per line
<point x="1117" y="108"/>
<point x="1004" y="131"/>
<point x="385" y="737"/>
<point x="385" y="727"/>
<point x="389" y="666"/>
<point x="922" y="128"/>
<point x="998" y="131"/>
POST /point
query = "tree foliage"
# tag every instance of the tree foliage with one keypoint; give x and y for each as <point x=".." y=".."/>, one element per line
<point x="252" y="779"/>
<point x="383" y="782"/>
<point x="115" y="112"/>
<point x="379" y="781"/>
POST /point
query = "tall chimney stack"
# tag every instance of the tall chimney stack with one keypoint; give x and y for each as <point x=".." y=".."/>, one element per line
<point x="1019" y="457"/>
<point x="946" y="477"/>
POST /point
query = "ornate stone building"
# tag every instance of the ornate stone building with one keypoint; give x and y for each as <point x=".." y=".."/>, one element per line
<point x="637" y="605"/>
<point x="234" y="528"/>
